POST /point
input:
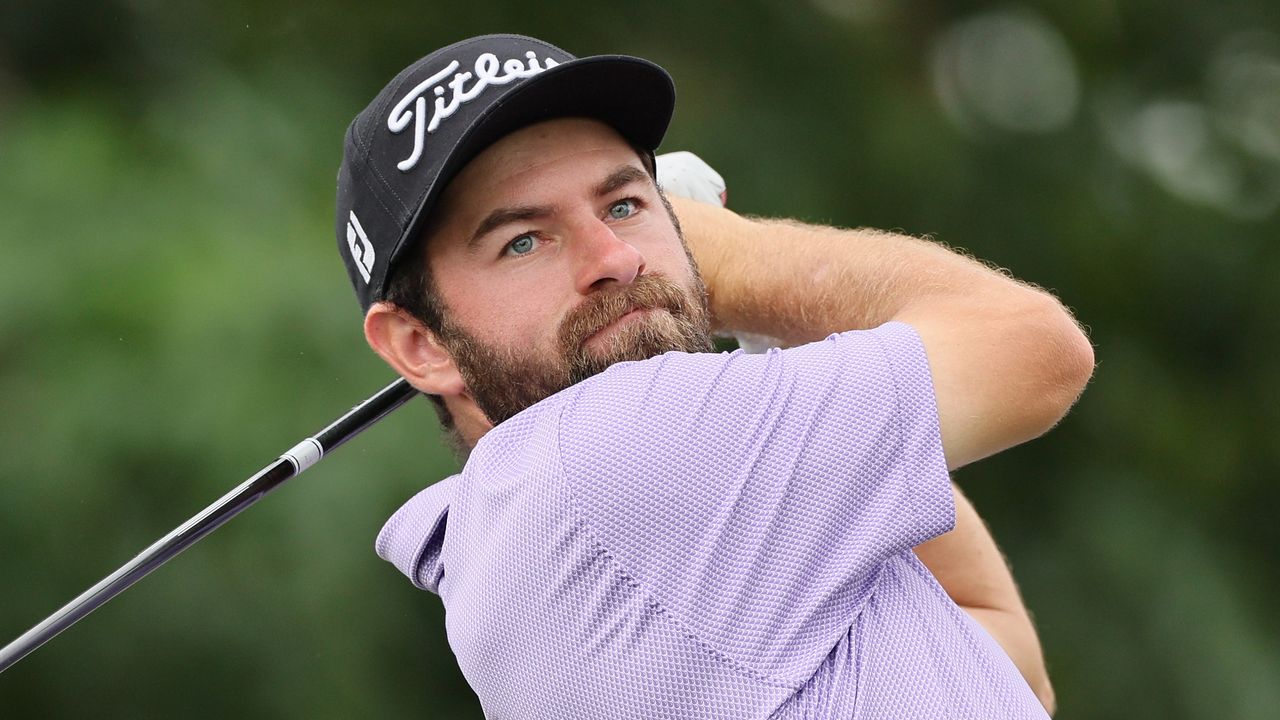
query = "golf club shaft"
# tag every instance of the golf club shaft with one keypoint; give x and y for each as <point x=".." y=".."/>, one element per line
<point x="293" y="462"/>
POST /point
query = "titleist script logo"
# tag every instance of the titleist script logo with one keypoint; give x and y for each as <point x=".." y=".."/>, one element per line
<point x="487" y="71"/>
<point x="361" y="248"/>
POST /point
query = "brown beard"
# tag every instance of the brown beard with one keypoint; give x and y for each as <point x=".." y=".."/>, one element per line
<point x="504" y="381"/>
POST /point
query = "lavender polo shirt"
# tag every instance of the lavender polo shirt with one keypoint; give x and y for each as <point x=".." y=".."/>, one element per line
<point x="711" y="536"/>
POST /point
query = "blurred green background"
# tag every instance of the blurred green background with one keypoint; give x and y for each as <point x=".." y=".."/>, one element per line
<point x="173" y="315"/>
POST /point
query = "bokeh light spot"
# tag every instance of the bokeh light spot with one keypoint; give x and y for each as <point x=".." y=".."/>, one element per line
<point x="1008" y="70"/>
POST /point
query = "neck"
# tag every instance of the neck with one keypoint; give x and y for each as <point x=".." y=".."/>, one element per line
<point x="469" y="422"/>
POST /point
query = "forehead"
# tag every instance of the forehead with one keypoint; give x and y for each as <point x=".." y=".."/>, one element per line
<point x="538" y="160"/>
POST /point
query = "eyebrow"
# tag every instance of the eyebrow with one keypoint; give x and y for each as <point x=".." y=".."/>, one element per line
<point x="616" y="180"/>
<point x="506" y="216"/>
<point x="620" y="178"/>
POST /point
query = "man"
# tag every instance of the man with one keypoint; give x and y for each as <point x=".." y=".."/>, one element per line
<point x="689" y="535"/>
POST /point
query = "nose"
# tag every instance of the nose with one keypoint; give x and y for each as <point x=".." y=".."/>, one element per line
<point x="604" y="258"/>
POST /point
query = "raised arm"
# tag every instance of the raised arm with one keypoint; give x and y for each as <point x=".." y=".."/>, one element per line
<point x="1007" y="359"/>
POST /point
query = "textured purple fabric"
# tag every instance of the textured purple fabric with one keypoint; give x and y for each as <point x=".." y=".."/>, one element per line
<point x="711" y="536"/>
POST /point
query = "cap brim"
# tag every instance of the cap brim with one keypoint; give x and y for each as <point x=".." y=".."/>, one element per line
<point x="633" y="95"/>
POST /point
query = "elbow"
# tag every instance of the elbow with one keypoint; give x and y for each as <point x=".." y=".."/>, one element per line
<point x="1065" y="362"/>
<point x="1073" y="359"/>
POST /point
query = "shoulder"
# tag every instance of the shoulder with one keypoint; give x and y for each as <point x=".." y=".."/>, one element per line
<point x="638" y="434"/>
<point x="675" y="398"/>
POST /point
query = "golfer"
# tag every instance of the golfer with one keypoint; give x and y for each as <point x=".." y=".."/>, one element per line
<point x="645" y="528"/>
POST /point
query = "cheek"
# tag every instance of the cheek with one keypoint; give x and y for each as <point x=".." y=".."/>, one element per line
<point x="506" y="314"/>
<point x="482" y="307"/>
<point x="670" y="259"/>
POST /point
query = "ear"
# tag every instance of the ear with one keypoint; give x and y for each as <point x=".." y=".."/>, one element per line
<point x="412" y="350"/>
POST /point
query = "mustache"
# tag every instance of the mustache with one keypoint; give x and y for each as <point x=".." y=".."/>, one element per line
<point x="647" y="292"/>
<point x="504" y="380"/>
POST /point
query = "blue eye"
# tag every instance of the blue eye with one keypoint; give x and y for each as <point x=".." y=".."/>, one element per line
<point x="622" y="209"/>
<point x="522" y="245"/>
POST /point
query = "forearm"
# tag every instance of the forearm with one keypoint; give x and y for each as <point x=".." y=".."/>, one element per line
<point x="1007" y="360"/>
<point x="801" y="282"/>
<point x="969" y="566"/>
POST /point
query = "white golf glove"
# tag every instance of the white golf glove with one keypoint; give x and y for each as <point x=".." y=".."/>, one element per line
<point x="686" y="175"/>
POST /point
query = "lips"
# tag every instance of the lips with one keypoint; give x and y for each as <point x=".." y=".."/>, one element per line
<point x="626" y="317"/>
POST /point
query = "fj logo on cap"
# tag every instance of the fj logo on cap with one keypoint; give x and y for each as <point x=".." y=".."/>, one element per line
<point x="486" y="73"/>
<point x="361" y="249"/>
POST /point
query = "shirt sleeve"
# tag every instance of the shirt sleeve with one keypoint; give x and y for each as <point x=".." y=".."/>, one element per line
<point x="413" y="538"/>
<point x="755" y="497"/>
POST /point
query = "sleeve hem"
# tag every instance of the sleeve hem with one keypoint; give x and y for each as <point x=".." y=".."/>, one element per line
<point x="917" y="406"/>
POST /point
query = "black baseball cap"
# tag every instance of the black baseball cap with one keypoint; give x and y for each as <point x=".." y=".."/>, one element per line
<point x="433" y="118"/>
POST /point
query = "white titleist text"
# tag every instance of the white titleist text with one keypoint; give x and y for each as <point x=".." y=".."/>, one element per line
<point x="487" y="71"/>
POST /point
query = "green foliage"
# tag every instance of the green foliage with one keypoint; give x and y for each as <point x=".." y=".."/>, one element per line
<point x="173" y="315"/>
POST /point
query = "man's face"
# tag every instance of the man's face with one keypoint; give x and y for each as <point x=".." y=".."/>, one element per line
<point x="555" y="257"/>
